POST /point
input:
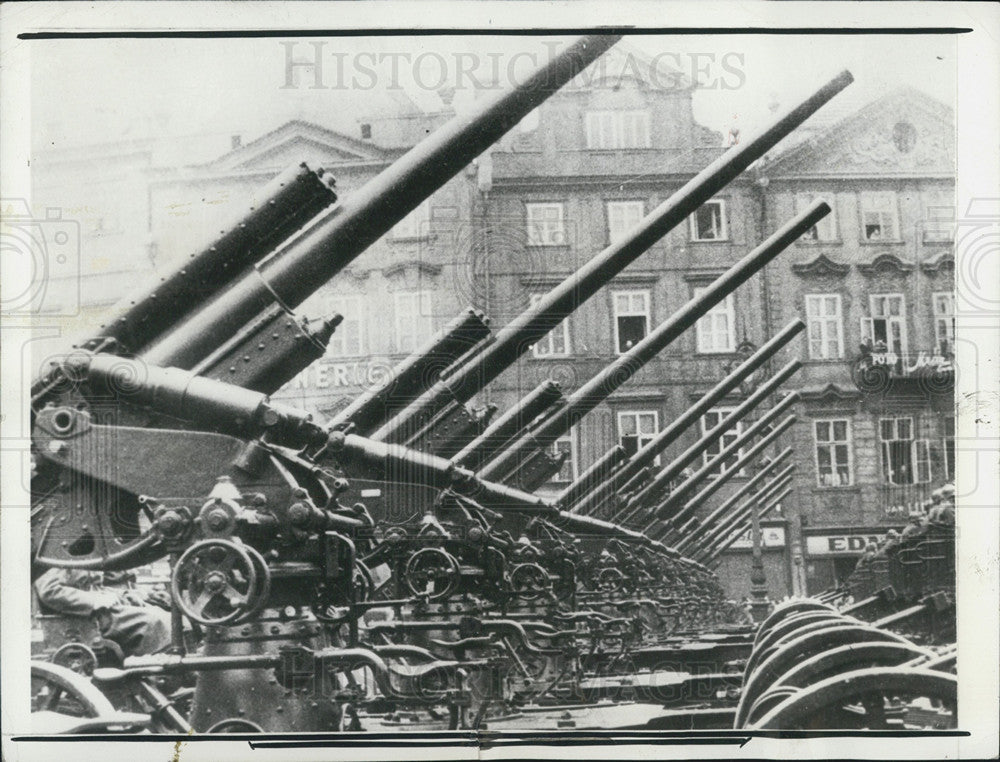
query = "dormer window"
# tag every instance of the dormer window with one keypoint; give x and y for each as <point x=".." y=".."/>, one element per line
<point x="617" y="129"/>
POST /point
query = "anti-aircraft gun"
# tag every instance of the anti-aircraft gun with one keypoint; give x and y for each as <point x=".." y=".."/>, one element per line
<point x="318" y="608"/>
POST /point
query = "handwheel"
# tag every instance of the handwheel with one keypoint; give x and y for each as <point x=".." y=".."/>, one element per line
<point x="433" y="572"/>
<point x="77" y="657"/>
<point x="55" y="688"/>
<point x="262" y="591"/>
<point x="530" y="581"/>
<point x="610" y="580"/>
<point x="215" y="582"/>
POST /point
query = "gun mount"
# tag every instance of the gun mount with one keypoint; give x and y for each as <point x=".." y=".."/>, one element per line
<point x="396" y="560"/>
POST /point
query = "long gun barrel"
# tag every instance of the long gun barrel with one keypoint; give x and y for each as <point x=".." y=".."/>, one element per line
<point x="716" y="484"/>
<point x="674" y="469"/>
<point x="647" y="454"/>
<point x="591" y="479"/>
<point x="515" y="338"/>
<point x="594" y="391"/>
<point x="775" y="485"/>
<point x="718" y="460"/>
<point x="295" y="271"/>
<point x="695" y="531"/>
<point x="506" y="426"/>
<point x="739" y="531"/>
<point x="414" y="374"/>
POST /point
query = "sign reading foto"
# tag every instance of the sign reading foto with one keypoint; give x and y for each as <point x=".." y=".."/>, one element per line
<point x="840" y="544"/>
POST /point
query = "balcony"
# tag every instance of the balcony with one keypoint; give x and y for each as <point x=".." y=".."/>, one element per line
<point x="883" y="371"/>
<point x="898" y="501"/>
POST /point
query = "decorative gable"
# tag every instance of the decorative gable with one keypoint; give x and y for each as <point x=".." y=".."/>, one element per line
<point x="941" y="264"/>
<point x="821" y="266"/>
<point x="904" y="133"/>
<point x="885" y="263"/>
<point x="412" y="274"/>
<point x="830" y="394"/>
<point x="297" y="141"/>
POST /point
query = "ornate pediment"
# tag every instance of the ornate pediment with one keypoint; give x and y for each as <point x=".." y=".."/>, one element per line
<point x="297" y="141"/>
<point x="829" y="393"/>
<point x="412" y="274"/>
<point x="904" y="133"/>
<point x="942" y="264"/>
<point x="821" y="266"/>
<point x="885" y="263"/>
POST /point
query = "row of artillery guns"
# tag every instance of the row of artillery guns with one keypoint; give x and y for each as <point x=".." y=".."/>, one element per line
<point x="393" y="566"/>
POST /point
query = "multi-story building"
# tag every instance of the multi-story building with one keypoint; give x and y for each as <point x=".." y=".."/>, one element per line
<point x="875" y="283"/>
<point x="573" y="177"/>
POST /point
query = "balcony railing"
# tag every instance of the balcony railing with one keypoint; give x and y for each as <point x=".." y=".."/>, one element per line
<point x="898" y="501"/>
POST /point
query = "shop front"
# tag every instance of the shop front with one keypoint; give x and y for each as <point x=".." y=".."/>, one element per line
<point x="831" y="553"/>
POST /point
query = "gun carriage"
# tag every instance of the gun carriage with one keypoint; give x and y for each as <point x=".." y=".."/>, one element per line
<point x="394" y="562"/>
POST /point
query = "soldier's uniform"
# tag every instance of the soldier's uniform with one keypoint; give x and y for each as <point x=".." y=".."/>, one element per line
<point x="74" y="592"/>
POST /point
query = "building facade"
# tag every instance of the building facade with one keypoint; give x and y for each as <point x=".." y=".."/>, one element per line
<point x="872" y="438"/>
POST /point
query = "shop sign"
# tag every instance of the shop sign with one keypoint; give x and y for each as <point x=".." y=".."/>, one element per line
<point x="849" y="544"/>
<point x="772" y="537"/>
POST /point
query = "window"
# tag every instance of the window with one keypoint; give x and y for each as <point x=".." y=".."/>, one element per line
<point x="879" y="221"/>
<point x="939" y="218"/>
<point x="636" y="429"/>
<point x="826" y="228"/>
<point x="545" y="225"/>
<point x="709" y="222"/>
<point x="566" y="444"/>
<point x="826" y="329"/>
<point x="834" y="467"/>
<point x="905" y="460"/>
<point x="948" y="424"/>
<point x="617" y="129"/>
<point x="944" y="322"/>
<point x="631" y="312"/>
<point x="714" y="332"/>
<point x="414" y="225"/>
<point x="414" y="320"/>
<point x="622" y="217"/>
<point x="708" y="422"/>
<point x="556" y="342"/>
<point x="885" y="330"/>
<point x="347" y="340"/>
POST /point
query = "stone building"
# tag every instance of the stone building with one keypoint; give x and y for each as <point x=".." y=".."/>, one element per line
<point x="875" y="283"/>
<point x="873" y="433"/>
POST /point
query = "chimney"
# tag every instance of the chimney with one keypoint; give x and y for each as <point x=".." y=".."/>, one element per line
<point x="235" y="141"/>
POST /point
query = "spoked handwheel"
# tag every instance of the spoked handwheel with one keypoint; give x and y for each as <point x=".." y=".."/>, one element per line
<point x="56" y="688"/>
<point x="611" y="580"/>
<point x="432" y="572"/>
<point x="529" y="581"/>
<point x="860" y="699"/>
<point x="218" y="582"/>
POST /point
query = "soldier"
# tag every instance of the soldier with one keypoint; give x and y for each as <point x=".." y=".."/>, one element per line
<point x="943" y="512"/>
<point x="132" y="620"/>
